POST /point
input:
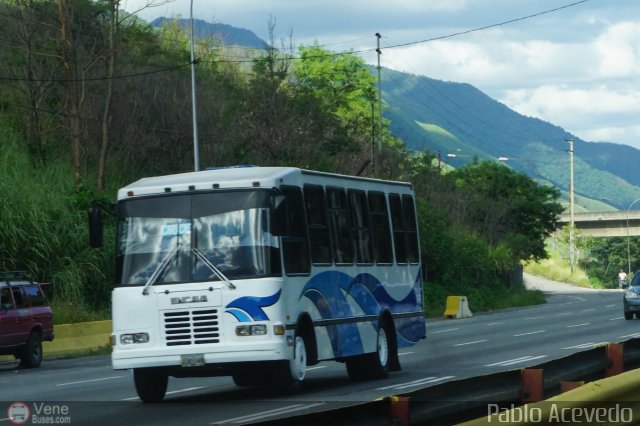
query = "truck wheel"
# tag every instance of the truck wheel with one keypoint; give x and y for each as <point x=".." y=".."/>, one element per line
<point x="31" y="356"/>
<point x="151" y="384"/>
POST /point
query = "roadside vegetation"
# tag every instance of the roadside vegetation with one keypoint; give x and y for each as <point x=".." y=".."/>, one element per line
<point x="72" y="132"/>
<point x="598" y="260"/>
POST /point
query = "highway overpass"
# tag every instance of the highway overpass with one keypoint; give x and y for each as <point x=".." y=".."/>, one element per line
<point x="605" y="224"/>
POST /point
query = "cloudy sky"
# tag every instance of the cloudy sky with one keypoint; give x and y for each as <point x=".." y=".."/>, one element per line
<point x="577" y="67"/>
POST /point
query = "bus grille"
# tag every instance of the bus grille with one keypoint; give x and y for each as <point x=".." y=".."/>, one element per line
<point x="191" y="327"/>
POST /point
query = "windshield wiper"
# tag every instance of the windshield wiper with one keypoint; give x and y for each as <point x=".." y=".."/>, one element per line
<point x="213" y="268"/>
<point x="156" y="273"/>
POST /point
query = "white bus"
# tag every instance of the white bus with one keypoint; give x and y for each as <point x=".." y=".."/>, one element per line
<point x="259" y="272"/>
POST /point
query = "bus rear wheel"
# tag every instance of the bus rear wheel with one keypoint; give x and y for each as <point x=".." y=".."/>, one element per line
<point x="151" y="384"/>
<point x="374" y="365"/>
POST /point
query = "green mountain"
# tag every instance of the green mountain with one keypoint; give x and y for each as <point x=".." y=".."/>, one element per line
<point x="457" y="119"/>
<point x="459" y="123"/>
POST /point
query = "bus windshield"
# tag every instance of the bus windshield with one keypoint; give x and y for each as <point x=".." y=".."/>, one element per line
<point x="183" y="238"/>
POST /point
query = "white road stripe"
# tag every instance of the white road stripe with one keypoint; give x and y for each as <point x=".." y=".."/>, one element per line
<point x="89" y="381"/>
<point x="564" y="314"/>
<point x="533" y="318"/>
<point x="185" y="390"/>
<point x="610" y="306"/>
<point x="269" y="413"/>
<point x="578" y="325"/>
<point x="515" y="361"/>
<point x="589" y="310"/>
<point x="585" y="345"/>
<point x="530" y="333"/>
<point x="444" y="331"/>
<point x="418" y="382"/>
<point x="631" y="335"/>
<point x="495" y="323"/>
<point x="615" y="319"/>
<point x="470" y="343"/>
<point x="406" y="353"/>
<point x="316" y="368"/>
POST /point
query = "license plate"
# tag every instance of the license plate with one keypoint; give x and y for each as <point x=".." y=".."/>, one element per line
<point x="192" y="360"/>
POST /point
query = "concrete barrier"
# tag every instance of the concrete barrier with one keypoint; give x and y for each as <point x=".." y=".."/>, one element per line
<point x="609" y="401"/>
<point x="457" y="307"/>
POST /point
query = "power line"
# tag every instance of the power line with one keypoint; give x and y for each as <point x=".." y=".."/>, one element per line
<point x="351" y="52"/>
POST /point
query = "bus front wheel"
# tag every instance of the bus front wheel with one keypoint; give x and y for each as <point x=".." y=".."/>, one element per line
<point x="151" y="384"/>
<point x="289" y="375"/>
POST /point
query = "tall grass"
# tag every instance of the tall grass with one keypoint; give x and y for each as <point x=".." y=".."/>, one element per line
<point x="44" y="231"/>
<point x="558" y="269"/>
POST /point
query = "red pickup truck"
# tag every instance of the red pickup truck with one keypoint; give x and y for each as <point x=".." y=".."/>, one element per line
<point x="26" y="320"/>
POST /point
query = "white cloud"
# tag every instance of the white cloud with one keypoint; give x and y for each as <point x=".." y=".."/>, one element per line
<point x="619" y="51"/>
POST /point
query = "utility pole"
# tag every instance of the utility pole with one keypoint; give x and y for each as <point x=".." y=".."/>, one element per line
<point x="572" y="247"/>
<point x="196" y="149"/>
<point x="378" y="36"/>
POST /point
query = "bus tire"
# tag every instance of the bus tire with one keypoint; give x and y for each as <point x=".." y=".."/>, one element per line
<point x="288" y="376"/>
<point x="373" y="365"/>
<point x="151" y="384"/>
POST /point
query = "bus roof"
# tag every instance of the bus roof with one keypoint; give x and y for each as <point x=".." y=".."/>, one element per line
<point x="236" y="177"/>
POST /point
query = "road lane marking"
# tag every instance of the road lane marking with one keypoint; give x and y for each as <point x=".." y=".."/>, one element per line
<point x="578" y="325"/>
<point x="533" y="318"/>
<point x="185" y="390"/>
<point x="495" y="323"/>
<point x="611" y="306"/>
<point x="419" y="382"/>
<point x="564" y="314"/>
<point x="529" y="333"/>
<point x="515" y="361"/>
<point x="89" y="381"/>
<point x="470" y="343"/>
<point x="589" y="310"/>
<point x="268" y="413"/>
<point x="406" y="353"/>
<point x="585" y="345"/>
<point x="631" y="335"/>
<point x="615" y="319"/>
<point x="315" y="368"/>
<point x="444" y="331"/>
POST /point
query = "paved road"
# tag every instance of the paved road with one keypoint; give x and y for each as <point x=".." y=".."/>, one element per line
<point x="572" y="320"/>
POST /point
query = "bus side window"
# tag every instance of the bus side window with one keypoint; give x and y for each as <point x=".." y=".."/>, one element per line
<point x="411" y="228"/>
<point x="399" y="236"/>
<point x="295" y="246"/>
<point x="339" y="226"/>
<point x="317" y="224"/>
<point x="380" y="225"/>
<point x="360" y="226"/>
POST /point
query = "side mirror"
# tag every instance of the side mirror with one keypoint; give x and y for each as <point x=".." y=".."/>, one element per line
<point x="95" y="227"/>
<point x="278" y="217"/>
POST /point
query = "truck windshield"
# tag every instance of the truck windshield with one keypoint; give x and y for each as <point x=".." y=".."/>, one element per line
<point x="192" y="232"/>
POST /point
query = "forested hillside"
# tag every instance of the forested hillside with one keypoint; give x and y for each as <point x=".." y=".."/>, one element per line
<point x="477" y="125"/>
<point x="91" y="99"/>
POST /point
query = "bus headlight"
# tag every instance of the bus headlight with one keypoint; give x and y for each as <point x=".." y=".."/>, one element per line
<point x="131" y="338"/>
<point x="251" y="330"/>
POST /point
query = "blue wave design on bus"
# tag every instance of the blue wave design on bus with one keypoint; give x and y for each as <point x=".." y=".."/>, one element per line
<point x="249" y="308"/>
<point x="328" y="292"/>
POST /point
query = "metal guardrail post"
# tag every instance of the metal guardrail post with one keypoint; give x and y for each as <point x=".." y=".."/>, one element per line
<point x="614" y="359"/>
<point x="399" y="411"/>
<point x="532" y="389"/>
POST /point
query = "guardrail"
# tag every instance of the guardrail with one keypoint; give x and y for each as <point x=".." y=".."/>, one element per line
<point x="469" y="399"/>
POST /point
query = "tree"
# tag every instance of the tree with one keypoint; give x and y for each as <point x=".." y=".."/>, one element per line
<point x="509" y="207"/>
